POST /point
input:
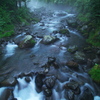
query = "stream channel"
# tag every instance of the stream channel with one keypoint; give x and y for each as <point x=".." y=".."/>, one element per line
<point x="42" y="71"/>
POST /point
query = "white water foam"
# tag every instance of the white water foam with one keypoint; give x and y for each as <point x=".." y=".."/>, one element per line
<point x="26" y="91"/>
<point x="1" y="90"/>
<point x="97" y="98"/>
<point x="10" y="49"/>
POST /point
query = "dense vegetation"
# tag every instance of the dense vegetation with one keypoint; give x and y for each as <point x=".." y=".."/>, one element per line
<point x="88" y="15"/>
<point x="95" y="73"/>
<point x="12" y="13"/>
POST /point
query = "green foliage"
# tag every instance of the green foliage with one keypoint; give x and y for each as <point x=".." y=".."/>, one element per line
<point x="94" y="38"/>
<point x="64" y="31"/>
<point x="6" y="26"/>
<point x="95" y="73"/>
<point x="32" y="41"/>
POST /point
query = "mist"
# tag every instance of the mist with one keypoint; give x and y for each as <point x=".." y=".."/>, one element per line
<point x="35" y="4"/>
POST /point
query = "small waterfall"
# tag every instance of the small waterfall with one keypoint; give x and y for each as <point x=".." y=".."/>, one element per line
<point x="26" y="91"/>
<point x="10" y="49"/>
<point x="1" y="90"/>
<point x="55" y="95"/>
<point x="97" y="98"/>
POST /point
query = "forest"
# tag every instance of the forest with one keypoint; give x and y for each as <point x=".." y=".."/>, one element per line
<point x="49" y="49"/>
<point x="11" y="12"/>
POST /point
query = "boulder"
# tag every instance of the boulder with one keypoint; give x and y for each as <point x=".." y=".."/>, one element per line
<point x="8" y="82"/>
<point x="51" y="60"/>
<point x="47" y="92"/>
<point x="72" y="21"/>
<point x="74" y="86"/>
<point x="72" y="64"/>
<point x="72" y="49"/>
<point x="69" y="95"/>
<point x="50" y="82"/>
<point x="27" y="42"/>
<point x="39" y="81"/>
<point x="48" y="39"/>
<point x="96" y="60"/>
<point x="86" y="95"/>
<point x="80" y="57"/>
<point x="5" y="94"/>
<point x="27" y="79"/>
<point x="65" y="32"/>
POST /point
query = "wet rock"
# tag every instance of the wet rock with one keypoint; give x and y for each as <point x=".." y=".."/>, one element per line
<point x="74" y="86"/>
<point x="86" y="95"/>
<point x="8" y="82"/>
<point x="27" y="79"/>
<point x="80" y="57"/>
<point x="56" y="66"/>
<point x="55" y="31"/>
<point x="39" y="81"/>
<point x="65" y="32"/>
<point x="72" y="49"/>
<point x="27" y="42"/>
<point x="69" y="95"/>
<point x="96" y="60"/>
<point x="17" y="40"/>
<point x="47" y="92"/>
<point x="21" y="75"/>
<point x="72" y="64"/>
<point x="72" y="21"/>
<point x="50" y="82"/>
<point x="47" y="39"/>
<point x="90" y="63"/>
<point x="51" y="60"/>
<point x="5" y="94"/>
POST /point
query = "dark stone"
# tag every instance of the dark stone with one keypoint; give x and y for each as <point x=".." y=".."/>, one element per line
<point x="27" y="79"/>
<point x="21" y="75"/>
<point x="8" y="82"/>
<point x="47" y="92"/>
<point x="90" y="63"/>
<point x="72" y="64"/>
<point x="50" y="82"/>
<point x="72" y="49"/>
<point x="86" y="95"/>
<point x="51" y="60"/>
<point x="80" y="57"/>
<point x="69" y="95"/>
<point x="56" y="66"/>
<point x="96" y="60"/>
<point x="39" y="80"/>
<point x="5" y="94"/>
<point x="74" y="86"/>
<point x="65" y="32"/>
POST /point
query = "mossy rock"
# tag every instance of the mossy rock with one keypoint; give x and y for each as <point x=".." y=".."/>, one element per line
<point x="72" y="49"/>
<point x="47" y="39"/>
<point x="65" y="32"/>
<point x="95" y="73"/>
<point x="28" y="42"/>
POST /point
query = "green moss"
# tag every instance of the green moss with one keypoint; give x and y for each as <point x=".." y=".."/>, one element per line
<point x="95" y="73"/>
<point x="94" y="38"/>
<point x="32" y="41"/>
<point x="64" y="31"/>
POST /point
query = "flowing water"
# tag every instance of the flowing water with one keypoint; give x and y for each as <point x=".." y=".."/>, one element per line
<point x="30" y="60"/>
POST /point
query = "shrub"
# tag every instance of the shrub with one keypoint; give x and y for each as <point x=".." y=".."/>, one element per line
<point x="95" y="73"/>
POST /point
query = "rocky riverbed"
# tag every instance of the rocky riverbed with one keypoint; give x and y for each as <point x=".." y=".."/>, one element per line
<point x="48" y="60"/>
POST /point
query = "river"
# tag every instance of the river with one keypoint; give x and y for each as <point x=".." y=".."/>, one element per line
<point x="40" y="72"/>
